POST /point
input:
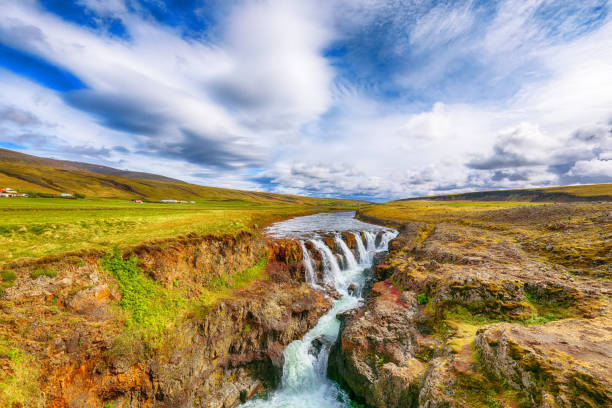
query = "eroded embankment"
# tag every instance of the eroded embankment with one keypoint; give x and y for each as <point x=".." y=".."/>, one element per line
<point x="464" y="317"/>
<point x="196" y="321"/>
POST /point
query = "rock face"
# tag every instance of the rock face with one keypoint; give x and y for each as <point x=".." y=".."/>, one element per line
<point x="560" y="364"/>
<point x="217" y="356"/>
<point x="464" y="316"/>
<point x="374" y="355"/>
<point x="236" y="351"/>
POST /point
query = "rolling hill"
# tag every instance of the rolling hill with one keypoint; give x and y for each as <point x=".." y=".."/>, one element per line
<point x="40" y="175"/>
<point x="581" y="193"/>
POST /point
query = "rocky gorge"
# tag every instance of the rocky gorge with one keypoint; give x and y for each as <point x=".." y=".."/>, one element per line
<point x="470" y="311"/>
<point x="219" y="353"/>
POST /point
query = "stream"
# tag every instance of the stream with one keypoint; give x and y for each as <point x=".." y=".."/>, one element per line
<point x="304" y="381"/>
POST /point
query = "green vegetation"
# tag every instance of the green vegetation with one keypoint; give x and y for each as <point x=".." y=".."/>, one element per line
<point x="7" y="279"/>
<point x="151" y="310"/>
<point x="150" y="307"/>
<point x="37" y="227"/>
<point x="18" y="377"/>
<point x="8" y="276"/>
<point x="422" y="299"/>
<point x="47" y="272"/>
<point x="48" y="177"/>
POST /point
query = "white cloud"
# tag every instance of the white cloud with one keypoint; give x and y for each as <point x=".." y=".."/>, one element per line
<point x="592" y="168"/>
<point x="263" y="95"/>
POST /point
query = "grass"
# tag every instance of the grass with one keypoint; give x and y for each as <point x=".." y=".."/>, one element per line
<point x="573" y="235"/>
<point x="433" y="211"/>
<point x="7" y="279"/>
<point x="37" y="227"/>
<point x="18" y="377"/>
<point x="38" y="175"/>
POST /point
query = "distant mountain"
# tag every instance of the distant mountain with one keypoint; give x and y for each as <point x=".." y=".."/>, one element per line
<point x="41" y="175"/>
<point x="591" y="192"/>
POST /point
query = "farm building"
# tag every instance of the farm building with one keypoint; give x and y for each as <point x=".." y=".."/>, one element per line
<point x="9" y="192"/>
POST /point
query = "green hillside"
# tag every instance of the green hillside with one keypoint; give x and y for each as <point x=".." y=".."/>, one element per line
<point x="33" y="174"/>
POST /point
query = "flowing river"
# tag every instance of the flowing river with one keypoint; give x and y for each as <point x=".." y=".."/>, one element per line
<point x="304" y="381"/>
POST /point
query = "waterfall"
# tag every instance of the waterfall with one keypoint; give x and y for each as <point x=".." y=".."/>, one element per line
<point x="304" y="383"/>
<point x="370" y="239"/>
<point x="311" y="278"/>
<point x="350" y="260"/>
<point x="363" y="254"/>
<point x="386" y="237"/>
<point x="331" y="269"/>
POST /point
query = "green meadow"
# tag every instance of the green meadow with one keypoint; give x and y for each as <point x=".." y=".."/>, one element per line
<point x="35" y="227"/>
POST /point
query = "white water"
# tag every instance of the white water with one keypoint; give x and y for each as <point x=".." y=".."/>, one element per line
<point x="304" y="382"/>
<point x="370" y="241"/>
<point x="309" y="266"/>
<point x="349" y="257"/>
<point x="363" y="254"/>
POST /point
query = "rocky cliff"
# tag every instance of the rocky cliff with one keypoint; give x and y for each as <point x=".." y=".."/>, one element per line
<point x="466" y="315"/>
<point x="187" y="322"/>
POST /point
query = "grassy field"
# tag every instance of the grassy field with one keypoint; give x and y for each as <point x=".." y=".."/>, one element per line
<point x="434" y="211"/>
<point x="34" y="227"/>
<point x="575" y="235"/>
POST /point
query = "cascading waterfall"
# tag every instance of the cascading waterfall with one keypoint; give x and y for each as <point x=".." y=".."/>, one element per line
<point x="363" y="254"/>
<point x="304" y="382"/>
<point x="350" y="260"/>
<point x="386" y="237"/>
<point x="331" y="269"/>
<point x="309" y="266"/>
<point x="370" y="241"/>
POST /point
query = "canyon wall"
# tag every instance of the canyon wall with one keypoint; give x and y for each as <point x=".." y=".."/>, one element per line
<point x="83" y="350"/>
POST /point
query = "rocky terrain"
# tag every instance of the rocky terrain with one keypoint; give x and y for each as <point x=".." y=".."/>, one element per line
<point x="508" y="307"/>
<point x="189" y="323"/>
<point x="475" y="306"/>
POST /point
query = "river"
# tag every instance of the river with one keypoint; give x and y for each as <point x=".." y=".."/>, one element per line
<point x="304" y="381"/>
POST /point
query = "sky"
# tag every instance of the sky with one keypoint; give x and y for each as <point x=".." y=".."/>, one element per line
<point x="368" y="99"/>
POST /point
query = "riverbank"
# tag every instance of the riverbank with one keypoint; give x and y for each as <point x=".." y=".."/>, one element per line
<point x="485" y="305"/>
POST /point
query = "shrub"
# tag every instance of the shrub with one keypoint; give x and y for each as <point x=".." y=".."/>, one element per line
<point x="422" y="298"/>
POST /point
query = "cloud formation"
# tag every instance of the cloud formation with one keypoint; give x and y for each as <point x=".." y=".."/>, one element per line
<point x="374" y="99"/>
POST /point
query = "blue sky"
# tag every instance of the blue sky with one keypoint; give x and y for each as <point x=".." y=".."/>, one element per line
<point x="374" y="99"/>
